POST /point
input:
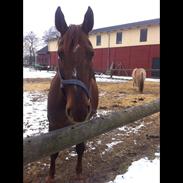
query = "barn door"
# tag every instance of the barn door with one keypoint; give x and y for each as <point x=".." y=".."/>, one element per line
<point x="155" y="65"/>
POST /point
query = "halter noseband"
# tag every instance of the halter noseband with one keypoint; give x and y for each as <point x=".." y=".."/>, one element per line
<point x="76" y="82"/>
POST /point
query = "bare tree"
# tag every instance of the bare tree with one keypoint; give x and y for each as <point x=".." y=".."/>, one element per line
<point x="30" y="45"/>
<point x="50" y="34"/>
<point x="25" y="53"/>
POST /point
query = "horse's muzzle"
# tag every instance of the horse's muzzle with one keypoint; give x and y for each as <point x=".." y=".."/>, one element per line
<point x="78" y="114"/>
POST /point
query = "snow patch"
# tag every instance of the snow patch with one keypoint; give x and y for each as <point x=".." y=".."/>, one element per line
<point x="110" y="145"/>
<point x="99" y="142"/>
<point x="131" y="129"/>
<point x="34" y="113"/>
<point x="32" y="73"/>
<point x="101" y="112"/>
<point x="73" y="154"/>
<point x="141" y="171"/>
<point x="90" y="145"/>
<point x="122" y="78"/>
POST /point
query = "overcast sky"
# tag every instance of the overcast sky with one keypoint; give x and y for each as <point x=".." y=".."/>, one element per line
<point x="38" y="15"/>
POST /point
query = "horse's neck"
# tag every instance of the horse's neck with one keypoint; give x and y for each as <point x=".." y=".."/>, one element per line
<point x="56" y="95"/>
<point x="93" y="75"/>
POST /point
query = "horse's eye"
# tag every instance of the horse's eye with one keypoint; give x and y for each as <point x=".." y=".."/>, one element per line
<point x="61" y="55"/>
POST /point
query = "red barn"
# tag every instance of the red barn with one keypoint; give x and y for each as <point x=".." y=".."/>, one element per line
<point x="128" y="46"/>
<point x="123" y="47"/>
<point x="43" y="57"/>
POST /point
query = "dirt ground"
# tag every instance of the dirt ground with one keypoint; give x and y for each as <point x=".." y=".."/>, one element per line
<point x="100" y="163"/>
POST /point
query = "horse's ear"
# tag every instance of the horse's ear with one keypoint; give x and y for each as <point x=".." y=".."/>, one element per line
<point x="88" y="22"/>
<point x="60" y="23"/>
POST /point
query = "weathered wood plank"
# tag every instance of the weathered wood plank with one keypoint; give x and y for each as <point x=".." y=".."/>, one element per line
<point x="41" y="146"/>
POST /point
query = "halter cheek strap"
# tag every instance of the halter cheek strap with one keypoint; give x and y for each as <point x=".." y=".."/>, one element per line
<point x="75" y="82"/>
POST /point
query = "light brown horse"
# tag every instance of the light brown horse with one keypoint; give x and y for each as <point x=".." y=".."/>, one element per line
<point x="73" y="94"/>
<point x="139" y="75"/>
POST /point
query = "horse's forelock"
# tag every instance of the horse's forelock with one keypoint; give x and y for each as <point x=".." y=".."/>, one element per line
<point x="72" y="38"/>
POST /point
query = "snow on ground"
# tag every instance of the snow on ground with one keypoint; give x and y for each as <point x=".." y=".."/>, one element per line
<point x="129" y="129"/>
<point x="32" y="73"/>
<point x="34" y="113"/>
<point x="121" y="78"/>
<point x="141" y="171"/>
<point x="110" y="146"/>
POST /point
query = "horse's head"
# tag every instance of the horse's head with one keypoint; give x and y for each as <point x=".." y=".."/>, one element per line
<point x="75" y="65"/>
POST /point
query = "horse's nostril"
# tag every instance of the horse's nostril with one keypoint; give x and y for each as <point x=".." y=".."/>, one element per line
<point x="89" y="108"/>
<point x="68" y="111"/>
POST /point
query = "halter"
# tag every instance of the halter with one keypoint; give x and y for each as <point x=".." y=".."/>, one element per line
<point x="75" y="82"/>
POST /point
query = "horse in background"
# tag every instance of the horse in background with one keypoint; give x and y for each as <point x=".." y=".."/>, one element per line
<point x="139" y="75"/>
<point x="73" y="93"/>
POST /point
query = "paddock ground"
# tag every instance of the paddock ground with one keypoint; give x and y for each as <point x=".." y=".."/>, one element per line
<point x="111" y="153"/>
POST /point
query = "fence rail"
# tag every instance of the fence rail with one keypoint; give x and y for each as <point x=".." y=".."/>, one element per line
<point x="41" y="146"/>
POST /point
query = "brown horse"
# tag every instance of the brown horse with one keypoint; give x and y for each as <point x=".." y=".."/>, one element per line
<point x="139" y="75"/>
<point x="73" y="94"/>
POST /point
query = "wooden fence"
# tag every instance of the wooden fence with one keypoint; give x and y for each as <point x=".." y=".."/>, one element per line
<point x="37" y="147"/>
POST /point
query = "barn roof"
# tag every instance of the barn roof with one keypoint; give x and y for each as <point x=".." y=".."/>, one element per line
<point x="127" y="26"/>
<point x="43" y="50"/>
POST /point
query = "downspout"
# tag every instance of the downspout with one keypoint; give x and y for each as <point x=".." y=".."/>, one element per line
<point x="149" y="72"/>
<point x="49" y="55"/>
<point x="108" y="59"/>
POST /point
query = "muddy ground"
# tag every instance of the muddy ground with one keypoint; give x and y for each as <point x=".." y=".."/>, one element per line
<point x="111" y="153"/>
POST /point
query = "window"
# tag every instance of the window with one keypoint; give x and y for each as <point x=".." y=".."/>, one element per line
<point x="143" y="35"/>
<point x="118" y="37"/>
<point x="98" y="40"/>
<point x="156" y="68"/>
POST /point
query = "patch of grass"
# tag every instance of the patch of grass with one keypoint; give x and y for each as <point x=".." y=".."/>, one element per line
<point x="121" y="95"/>
<point x="36" y="85"/>
<point x="130" y="94"/>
